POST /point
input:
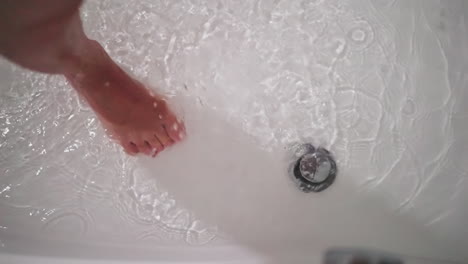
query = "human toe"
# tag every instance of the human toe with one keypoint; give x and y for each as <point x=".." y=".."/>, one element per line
<point x="163" y="136"/>
<point x="144" y="147"/>
<point x="155" y="144"/>
<point x="176" y="131"/>
<point x="130" y="147"/>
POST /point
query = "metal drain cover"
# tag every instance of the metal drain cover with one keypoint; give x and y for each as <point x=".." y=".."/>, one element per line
<point x="314" y="170"/>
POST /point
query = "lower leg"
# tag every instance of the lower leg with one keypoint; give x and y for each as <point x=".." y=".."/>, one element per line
<point x="40" y="35"/>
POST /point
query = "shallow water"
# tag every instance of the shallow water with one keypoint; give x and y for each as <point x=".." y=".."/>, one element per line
<point x="378" y="83"/>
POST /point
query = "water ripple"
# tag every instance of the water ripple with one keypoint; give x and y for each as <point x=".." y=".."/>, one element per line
<point x="348" y="77"/>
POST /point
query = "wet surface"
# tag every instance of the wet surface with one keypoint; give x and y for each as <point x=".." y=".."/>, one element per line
<point x="381" y="84"/>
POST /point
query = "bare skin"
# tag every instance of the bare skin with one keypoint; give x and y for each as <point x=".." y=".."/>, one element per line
<point x="47" y="36"/>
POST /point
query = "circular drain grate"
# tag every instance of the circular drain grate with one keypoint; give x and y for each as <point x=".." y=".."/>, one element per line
<point x="315" y="169"/>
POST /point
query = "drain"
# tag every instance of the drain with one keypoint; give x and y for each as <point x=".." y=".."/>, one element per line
<point x="314" y="170"/>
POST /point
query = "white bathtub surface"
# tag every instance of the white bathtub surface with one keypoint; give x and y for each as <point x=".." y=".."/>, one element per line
<point x="382" y="84"/>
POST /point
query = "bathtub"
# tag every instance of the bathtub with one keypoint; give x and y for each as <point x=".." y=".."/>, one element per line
<point x="381" y="84"/>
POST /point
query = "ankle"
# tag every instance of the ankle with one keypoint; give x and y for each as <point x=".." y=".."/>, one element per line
<point x="87" y="54"/>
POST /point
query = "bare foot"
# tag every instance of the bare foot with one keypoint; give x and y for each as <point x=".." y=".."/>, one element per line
<point x="49" y="37"/>
<point x="139" y="120"/>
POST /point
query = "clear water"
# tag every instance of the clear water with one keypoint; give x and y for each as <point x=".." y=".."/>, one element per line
<point x="379" y="83"/>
